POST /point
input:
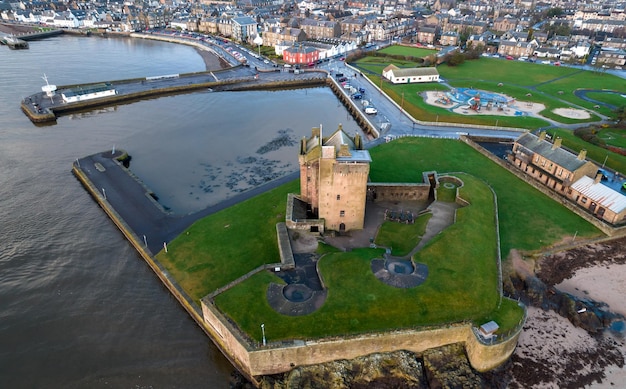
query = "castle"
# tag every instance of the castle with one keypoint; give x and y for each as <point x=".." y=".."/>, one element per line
<point x="334" y="173"/>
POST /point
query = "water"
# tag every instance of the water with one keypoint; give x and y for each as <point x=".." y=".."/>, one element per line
<point x="79" y="308"/>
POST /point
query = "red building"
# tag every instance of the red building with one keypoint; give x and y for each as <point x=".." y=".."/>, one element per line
<point x="300" y="55"/>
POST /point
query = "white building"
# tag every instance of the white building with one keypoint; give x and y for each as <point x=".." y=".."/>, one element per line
<point x="410" y="75"/>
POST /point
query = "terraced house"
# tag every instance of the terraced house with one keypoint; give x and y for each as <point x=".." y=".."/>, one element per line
<point x="570" y="175"/>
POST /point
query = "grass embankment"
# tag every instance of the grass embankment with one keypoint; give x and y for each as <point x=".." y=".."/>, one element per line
<point x="400" y="237"/>
<point x="550" y="85"/>
<point x="227" y="245"/>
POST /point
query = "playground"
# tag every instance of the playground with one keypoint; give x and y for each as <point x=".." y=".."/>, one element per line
<point x="468" y="101"/>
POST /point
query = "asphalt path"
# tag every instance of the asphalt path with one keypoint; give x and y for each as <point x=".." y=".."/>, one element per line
<point x="132" y="201"/>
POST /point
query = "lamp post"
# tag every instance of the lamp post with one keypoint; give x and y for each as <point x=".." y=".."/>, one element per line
<point x="402" y="103"/>
<point x="258" y="41"/>
<point x="263" y="332"/>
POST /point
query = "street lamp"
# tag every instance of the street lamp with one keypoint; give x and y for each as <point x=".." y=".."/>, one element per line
<point x="402" y="103"/>
<point x="263" y="331"/>
<point x="258" y="41"/>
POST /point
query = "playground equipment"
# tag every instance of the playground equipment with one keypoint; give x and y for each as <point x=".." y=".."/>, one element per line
<point x="474" y="102"/>
<point x="445" y="100"/>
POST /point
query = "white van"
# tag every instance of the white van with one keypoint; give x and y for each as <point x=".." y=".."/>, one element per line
<point x="287" y="65"/>
<point x="371" y="111"/>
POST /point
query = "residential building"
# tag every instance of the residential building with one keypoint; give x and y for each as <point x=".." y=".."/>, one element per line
<point x="244" y="29"/>
<point x="549" y="163"/>
<point x="300" y="55"/>
<point x="598" y="199"/>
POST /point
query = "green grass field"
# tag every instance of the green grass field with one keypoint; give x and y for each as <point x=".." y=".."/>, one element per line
<point x="550" y="85"/>
<point x="401" y="237"/>
<point x="613" y="136"/>
<point x="417" y="52"/>
<point x="462" y="285"/>
<point x="222" y="247"/>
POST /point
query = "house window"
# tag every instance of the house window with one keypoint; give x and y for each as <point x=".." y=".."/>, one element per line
<point x="560" y="172"/>
<point x="584" y="200"/>
<point x="338" y="197"/>
<point x="342" y="213"/>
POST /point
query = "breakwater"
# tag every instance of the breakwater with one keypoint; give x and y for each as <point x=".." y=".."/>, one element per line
<point x="42" y="107"/>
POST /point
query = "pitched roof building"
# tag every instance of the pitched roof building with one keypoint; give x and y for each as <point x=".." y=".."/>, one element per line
<point x="410" y="75"/>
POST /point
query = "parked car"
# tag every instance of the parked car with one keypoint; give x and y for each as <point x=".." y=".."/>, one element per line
<point x="508" y="57"/>
<point x="342" y="79"/>
<point x="357" y="96"/>
<point x="361" y="90"/>
<point x="374" y="111"/>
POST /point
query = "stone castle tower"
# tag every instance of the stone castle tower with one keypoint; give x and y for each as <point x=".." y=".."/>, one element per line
<point x="333" y="178"/>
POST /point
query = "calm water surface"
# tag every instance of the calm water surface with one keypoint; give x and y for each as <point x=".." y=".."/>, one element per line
<point x="78" y="307"/>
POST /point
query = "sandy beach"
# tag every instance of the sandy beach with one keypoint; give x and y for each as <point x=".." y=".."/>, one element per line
<point x="211" y="61"/>
<point x="552" y="352"/>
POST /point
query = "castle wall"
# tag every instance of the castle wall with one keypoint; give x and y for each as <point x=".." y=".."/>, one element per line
<point x="279" y="357"/>
<point x="398" y="192"/>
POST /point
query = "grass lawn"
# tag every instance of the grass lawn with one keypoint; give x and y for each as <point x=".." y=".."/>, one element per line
<point x="550" y="85"/>
<point x="402" y="238"/>
<point x="585" y="80"/>
<point x="529" y="220"/>
<point x="220" y="248"/>
<point x="217" y="249"/>
<point x="615" y="99"/>
<point x="408" y="51"/>
<point x="613" y="136"/>
<point x="462" y="285"/>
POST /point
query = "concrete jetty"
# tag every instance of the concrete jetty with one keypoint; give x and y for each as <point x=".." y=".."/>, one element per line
<point x="46" y="105"/>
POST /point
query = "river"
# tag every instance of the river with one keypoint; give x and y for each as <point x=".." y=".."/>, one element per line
<point x="79" y="308"/>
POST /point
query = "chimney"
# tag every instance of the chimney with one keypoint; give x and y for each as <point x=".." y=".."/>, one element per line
<point x="315" y="131"/>
<point x="344" y="151"/>
<point x="598" y="178"/>
<point x="542" y="135"/>
<point x="582" y="155"/>
<point x="557" y="143"/>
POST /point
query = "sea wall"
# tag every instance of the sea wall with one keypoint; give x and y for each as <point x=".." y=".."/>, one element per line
<point x="254" y="359"/>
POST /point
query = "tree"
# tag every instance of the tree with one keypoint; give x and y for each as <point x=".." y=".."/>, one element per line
<point x="554" y="12"/>
<point x="455" y="59"/>
<point x="530" y="34"/>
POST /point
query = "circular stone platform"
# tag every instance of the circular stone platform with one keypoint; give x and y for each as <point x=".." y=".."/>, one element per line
<point x="399" y="273"/>
<point x="297" y="293"/>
